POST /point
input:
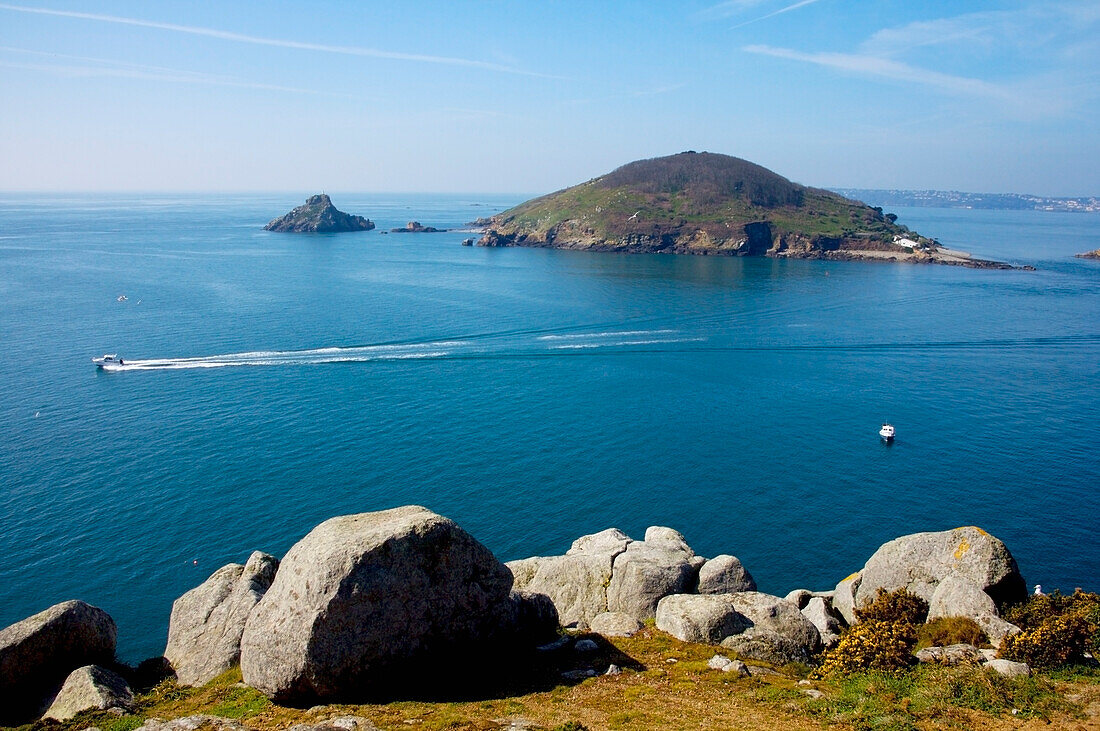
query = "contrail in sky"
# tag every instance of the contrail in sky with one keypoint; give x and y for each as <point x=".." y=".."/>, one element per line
<point x="259" y="41"/>
<point x="787" y="9"/>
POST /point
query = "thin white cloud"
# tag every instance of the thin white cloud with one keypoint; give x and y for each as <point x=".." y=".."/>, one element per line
<point x="87" y="67"/>
<point x="786" y="9"/>
<point x="887" y="68"/>
<point x="972" y="28"/>
<point x="278" y="43"/>
<point x="728" y="8"/>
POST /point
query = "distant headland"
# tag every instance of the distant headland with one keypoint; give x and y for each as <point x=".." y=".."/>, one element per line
<point x="959" y="199"/>
<point x="318" y="215"/>
<point x="711" y="204"/>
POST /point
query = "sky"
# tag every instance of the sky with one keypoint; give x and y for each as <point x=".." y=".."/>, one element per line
<point x="504" y="96"/>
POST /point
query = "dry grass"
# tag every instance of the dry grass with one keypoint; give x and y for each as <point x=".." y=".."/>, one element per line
<point x="669" y="687"/>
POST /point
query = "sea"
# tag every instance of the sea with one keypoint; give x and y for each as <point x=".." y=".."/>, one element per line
<point x="272" y="381"/>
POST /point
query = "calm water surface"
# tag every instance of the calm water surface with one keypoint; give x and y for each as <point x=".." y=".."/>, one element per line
<point x="531" y="395"/>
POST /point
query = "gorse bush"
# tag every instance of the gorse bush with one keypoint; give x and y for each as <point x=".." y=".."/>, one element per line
<point x="870" y="645"/>
<point x="894" y="606"/>
<point x="1056" y="629"/>
<point x="945" y="631"/>
<point x="882" y="641"/>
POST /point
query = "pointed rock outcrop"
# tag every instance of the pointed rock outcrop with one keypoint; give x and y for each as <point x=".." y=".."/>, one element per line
<point x="204" y="632"/>
<point x="318" y="215"/>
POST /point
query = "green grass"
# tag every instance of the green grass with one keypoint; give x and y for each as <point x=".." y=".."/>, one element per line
<point x="655" y="693"/>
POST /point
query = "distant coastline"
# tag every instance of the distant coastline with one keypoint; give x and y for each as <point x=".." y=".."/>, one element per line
<point x="959" y="199"/>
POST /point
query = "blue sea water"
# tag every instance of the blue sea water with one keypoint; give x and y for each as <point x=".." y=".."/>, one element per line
<point x="531" y="395"/>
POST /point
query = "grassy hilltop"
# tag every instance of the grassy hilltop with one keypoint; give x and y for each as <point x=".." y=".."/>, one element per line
<point x="699" y="203"/>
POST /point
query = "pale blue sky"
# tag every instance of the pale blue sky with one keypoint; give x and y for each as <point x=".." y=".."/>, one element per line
<point x="994" y="96"/>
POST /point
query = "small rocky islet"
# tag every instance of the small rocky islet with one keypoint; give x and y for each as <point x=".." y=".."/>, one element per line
<point x="368" y="606"/>
<point x="319" y="215"/>
<point x="712" y="204"/>
<point x="415" y="227"/>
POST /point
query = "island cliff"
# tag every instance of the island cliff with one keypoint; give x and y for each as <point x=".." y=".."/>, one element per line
<point x="318" y="215"/>
<point x="711" y="204"/>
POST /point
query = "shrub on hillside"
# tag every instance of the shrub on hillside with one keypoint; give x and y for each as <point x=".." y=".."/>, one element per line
<point x="883" y="640"/>
<point x="870" y="645"/>
<point x="1056" y="629"/>
<point x="894" y="606"/>
<point x="945" y="631"/>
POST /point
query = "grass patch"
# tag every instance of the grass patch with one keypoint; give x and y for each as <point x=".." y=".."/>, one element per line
<point x="653" y="693"/>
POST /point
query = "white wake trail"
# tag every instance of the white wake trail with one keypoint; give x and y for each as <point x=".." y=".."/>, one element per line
<point x="312" y="356"/>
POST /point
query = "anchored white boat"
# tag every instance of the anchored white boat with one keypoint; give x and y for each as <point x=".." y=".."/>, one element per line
<point x="108" y="362"/>
<point x="887" y="432"/>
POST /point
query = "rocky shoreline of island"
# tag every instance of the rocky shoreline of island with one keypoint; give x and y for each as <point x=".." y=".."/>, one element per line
<point x="786" y="247"/>
<point x="364" y="604"/>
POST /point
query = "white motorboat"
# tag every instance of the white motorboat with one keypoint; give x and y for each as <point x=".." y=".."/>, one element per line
<point x="887" y="432"/>
<point x="108" y="362"/>
<point x="122" y="298"/>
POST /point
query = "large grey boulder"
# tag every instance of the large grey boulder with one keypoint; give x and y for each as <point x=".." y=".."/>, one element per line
<point x="576" y="582"/>
<point x="704" y="618"/>
<point x="724" y="574"/>
<point x="995" y="628"/>
<point x="527" y="618"/>
<point x="1009" y="668"/>
<point x="820" y="614"/>
<point x="90" y="688"/>
<point x="959" y="654"/>
<point x="609" y="571"/>
<point x="766" y="627"/>
<point x="365" y="601"/>
<point x="767" y="646"/>
<point x="844" y="597"/>
<point x="615" y="624"/>
<point x="39" y="652"/>
<point x="772" y="613"/>
<point x="958" y="597"/>
<point x="193" y="723"/>
<point x="608" y="543"/>
<point x="919" y="562"/>
<point x="644" y="573"/>
<point x="204" y="632"/>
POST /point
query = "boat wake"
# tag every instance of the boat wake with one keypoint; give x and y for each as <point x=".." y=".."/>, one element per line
<point x="541" y="344"/>
<point x="315" y="356"/>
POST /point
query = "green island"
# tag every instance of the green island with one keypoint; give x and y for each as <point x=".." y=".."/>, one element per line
<point x="710" y="204"/>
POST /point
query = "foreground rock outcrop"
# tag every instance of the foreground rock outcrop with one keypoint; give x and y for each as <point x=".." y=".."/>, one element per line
<point x="90" y="688"/>
<point x="963" y="572"/>
<point x="39" y="652"/>
<point x="611" y="572"/>
<point x="204" y="632"/>
<point x="318" y="215"/>
<point x="375" y="604"/>
<point x="752" y="624"/>
<point x="366" y="601"/>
